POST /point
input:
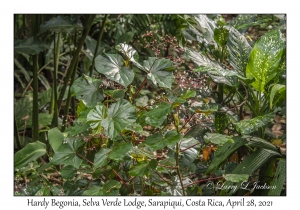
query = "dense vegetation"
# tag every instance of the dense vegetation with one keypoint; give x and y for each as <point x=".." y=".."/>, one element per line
<point x="149" y="104"/>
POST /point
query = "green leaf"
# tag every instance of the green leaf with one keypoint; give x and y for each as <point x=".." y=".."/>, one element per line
<point x="239" y="51"/>
<point x="22" y="109"/>
<point x="159" y="71"/>
<point x="66" y="153"/>
<point x="250" y="164"/>
<point x="217" y="138"/>
<point x="236" y="177"/>
<point x="111" y="187"/>
<point x="119" y="115"/>
<point x="250" y="125"/>
<point x="93" y="191"/>
<point x="143" y="168"/>
<point x="190" y="154"/>
<point x="214" y="70"/>
<point x="61" y="24"/>
<point x="112" y="66"/>
<point x="77" y="128"/>
<point x="130" y="54"/>
<point x="45" y="119"/>
<point x="126" y="37"/>
<point x="101" y="158"/>
<point x="189" y="94"/>
<point x="258" y="142"/>
<point x="224" y="152"/>
<point x="96" y="115"/>
<point x="221" y="36"/>
<point x="221" y="122"/>
<point x="157" y="116"/>
<point x="265" y="59"/>
<point x="56" y="138"/>
<point x="88" y="90"/>
<point x="207" y="27"/>
<point x="244" y="21"/>
<point x="68" y="172"/>
<point x="159" y="141"/>
<point x="31" y="46"/>
<point x="279" y="178"/>
<point x="277" y="88"/>
<point x="91" y="47"/>
<point x="45" y="97"/>
<point x="30" y="152"/>
<point x="120" y="151"/>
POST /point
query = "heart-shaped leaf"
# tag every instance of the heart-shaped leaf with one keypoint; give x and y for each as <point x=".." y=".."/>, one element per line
<point x="112" y="66"/>
<point x="96" y="115"/>
<point x="159" y="71"/>
<point x="119" y="115"/>
<point x="130" y="53"/>
<point x="66" y="153"/>
<point x="30" y="46"/>
<point x="61" y="24"/>
<point x="88" y="90"/>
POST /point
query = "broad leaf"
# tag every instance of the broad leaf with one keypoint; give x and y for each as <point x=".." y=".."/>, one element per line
<point x="30" y="152"/>
<point x="217" y="138"/>
<point x="44" y="120"/>
<point x="126" y="37"/>
<point x="243" y="22"/>
<point x="96" y="115"/>
<point x="91" y="47"/>
<point x="214" y="70"/>
<point x="120" y="151"/>
<point x="279" y="178"/>
<point x="88" y="90"/>
<point x="31" y="46"/>
<point x="159" y="141"/>
<point x="112" y="66"/>
<point x="66" y="153"/>
<point x="239" y="51"/>
<point x="258" y="142"/>
<point x="207" y="27"/>
<point x="119" y="115"/>
<point x="56" y="138"/>
<point x="159" y="71"/>
<point x="111" y="187"/>
<point x="61" y="24"/>
<point x="130" y="53"/>
<point x="264" y="60"/>
<point x="279" y="90"/>
<point x="68" y="172"/>
<point x="189" y="94"/>
<point x="142" y="168"/>
<point x="157" y="116"/>
<point x="224" y="152"/>
<point x="236" y="177"/>
<point x="22" y="110"/>
<point x="221" y="36"/>
<point x="250" y="125"/>
<point x="189" y="147"/>
<point x="250" y="164"/>
<point x="101" y="158"/>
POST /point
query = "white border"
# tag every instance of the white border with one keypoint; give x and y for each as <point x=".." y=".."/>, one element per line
<point x="8" y="201"/>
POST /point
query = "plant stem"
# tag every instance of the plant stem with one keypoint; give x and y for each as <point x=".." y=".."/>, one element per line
<point x="18" y="142"/>
<point x="68" y="101"/>
<point x="35" y="107"/>
<point x="75" y="58"/>
<point x="178" y="169"/>
<point x="98" y="44"/>
<point x="54" y="88"/>
<point x="140" y="88"/>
